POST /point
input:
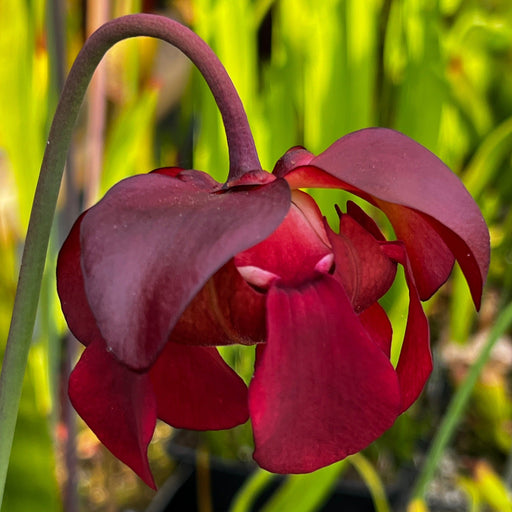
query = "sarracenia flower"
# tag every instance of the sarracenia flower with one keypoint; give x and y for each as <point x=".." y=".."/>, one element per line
<point x="170" y="264"/>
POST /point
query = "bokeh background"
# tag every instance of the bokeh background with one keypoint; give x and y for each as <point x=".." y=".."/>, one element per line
<point x="308" y="72"/>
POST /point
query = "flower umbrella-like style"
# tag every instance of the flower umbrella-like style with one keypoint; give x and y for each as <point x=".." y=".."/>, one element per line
<point x="170" y="264"/>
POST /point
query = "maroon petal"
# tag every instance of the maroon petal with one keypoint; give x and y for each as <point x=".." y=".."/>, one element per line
<point x="172" y="172"/>
<point x="382" y="164"/>
<point x="226" y="310"/>
<point x="70" y="287"/>
<point x="322" y="389"/>
<point x="377" y="325"/>
<point x="463" y="254"/>
<point x="430" y="258"/>
<point x="153" y="242"/>
<point x="390" y="166"/>
<point x="117" y="404"/>
<point x="196" y="389"/>
<point x="415" y="362"/>
<point x="359" y="215"/>
<point x="293" y="251"/>
<point x="365" y="272"/>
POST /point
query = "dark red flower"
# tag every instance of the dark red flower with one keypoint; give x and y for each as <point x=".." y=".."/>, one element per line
<point x="170" y="264"/>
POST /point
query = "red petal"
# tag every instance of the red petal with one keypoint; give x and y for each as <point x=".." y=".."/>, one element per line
<point x="168" y="171"/>
<point x="152" y="243"/>
<point x="390" y="166"/>
<point x="365" y="272"/>
<point x="415" y="362"/>
<point x="468" y="264"/>
<point x="226" y="310"/>
<point x="378" y="163"/>
<point x="70" y="287"/>
<point x="196" y="389"/>
<point x="117" y="404"/>
<point x="430" y="258"/>
<point x="362" y="218"/>
<point x="322" y="389"/>
<point x="294" y="249"/>
<point x="378" y="326"/>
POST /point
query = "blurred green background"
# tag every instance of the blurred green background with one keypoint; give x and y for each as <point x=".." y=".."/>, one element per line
<point x="308" y="72"/>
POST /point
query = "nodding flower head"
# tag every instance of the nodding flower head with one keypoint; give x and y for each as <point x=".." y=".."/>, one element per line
<point x="171" y="264"/>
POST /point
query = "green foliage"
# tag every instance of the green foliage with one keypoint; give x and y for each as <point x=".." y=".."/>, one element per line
<point x="486" y="490"/>
<point x="31" y="480"/>
<point x="128" y="142"/>
<point x="24" y="100"/>
<point x="23" y="79"/>
<point x="305" y="493"/>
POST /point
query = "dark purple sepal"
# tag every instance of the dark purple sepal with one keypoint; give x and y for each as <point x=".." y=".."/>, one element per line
<point x="70" y="287"/>
<point x="390" y="166"/>
<point x="154" y="240"/>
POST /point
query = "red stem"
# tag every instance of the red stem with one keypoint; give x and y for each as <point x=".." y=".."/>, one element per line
<point x="242" y="151"/>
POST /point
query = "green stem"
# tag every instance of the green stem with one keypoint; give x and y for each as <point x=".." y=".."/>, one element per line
<point x="458" y="403"/>
<point x="243" y="158"/>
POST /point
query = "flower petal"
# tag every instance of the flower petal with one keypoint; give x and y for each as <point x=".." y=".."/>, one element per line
<point x="70" y="287"/>
<point x="225" y="311"/>
<point x="430" y="258"/>
<point x="294" y="249"/>
<point x="362" y="218"/>
<point x="382" y="164"/>
<point x="322" y="389"/>
<point x="415" y="361"/>
<point x="377" y="325"/>
<point x="365" y="272"/>
<point x="117" y="404"/>
<point x="153" y="242"/>
<point x="196" y="389"/>
<point x="392" y="167"/>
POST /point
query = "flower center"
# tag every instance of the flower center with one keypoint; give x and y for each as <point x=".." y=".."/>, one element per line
<point x="296" y="252"/>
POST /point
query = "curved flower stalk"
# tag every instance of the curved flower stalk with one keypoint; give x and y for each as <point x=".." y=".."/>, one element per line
<point x="171" y="264"/>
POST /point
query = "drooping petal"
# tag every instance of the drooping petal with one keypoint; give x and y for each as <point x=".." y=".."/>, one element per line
<point x="295" y="248"/>
<point x="382" y="164"/>
<point x="196" y="389"/>
<point x="462" y="252"/>
<point x="70" y="287"/>
<point x="365" y="272"/>
<point x="377" y="325"/>
<point x="322" y="389"/>
<point x="153" y="242"/>
<point x="415" y="361"/>
<point x="117" y="404"/>
<point x="392" y="167"/>
<point x="430" y="258"/>
<point x="225" y="311"/>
